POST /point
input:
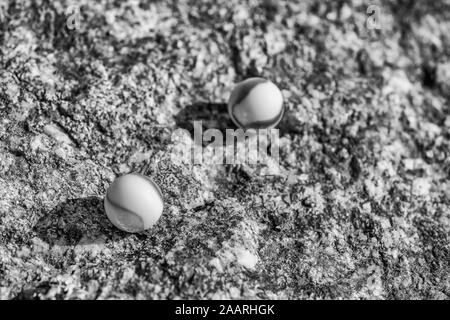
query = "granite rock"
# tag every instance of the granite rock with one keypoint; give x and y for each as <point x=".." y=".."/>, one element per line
<point x="358" y="206"/>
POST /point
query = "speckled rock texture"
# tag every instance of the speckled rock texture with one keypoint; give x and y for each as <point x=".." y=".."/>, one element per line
<point x="358" y="206"/>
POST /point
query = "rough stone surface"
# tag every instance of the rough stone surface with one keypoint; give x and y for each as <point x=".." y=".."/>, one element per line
<point x="358" y="207"/>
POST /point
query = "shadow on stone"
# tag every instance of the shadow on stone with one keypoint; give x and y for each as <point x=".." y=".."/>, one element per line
<point x="74" y="220"/>
<point x="211" y="115"/>
<point x="290" y="125"/>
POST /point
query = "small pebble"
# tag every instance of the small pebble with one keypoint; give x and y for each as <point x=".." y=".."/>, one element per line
<point x="256" y="103"/>
<point x="133" y="203"/>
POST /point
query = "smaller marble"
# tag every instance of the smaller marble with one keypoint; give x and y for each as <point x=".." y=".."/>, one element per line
<point x="256" y="103"/>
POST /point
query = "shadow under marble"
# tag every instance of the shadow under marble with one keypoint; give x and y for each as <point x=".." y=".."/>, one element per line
<point x="74" y="220"/>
